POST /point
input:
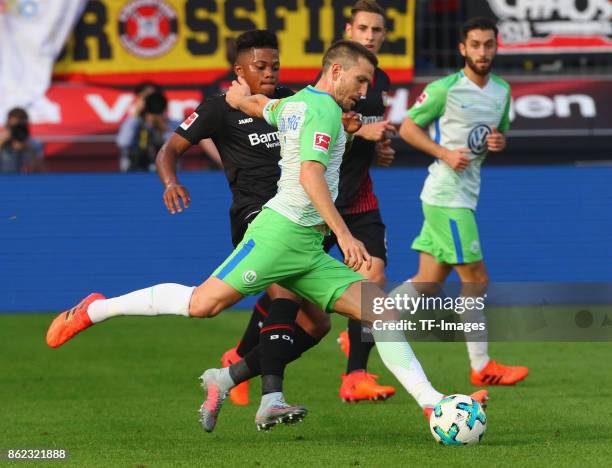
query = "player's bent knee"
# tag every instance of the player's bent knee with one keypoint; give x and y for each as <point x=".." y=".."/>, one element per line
<point x="204" y="308"/>
<point x="479" y="279"/>
<point x="378" y="278"/>
<point x="426" y="288"/>
<point x="321" y="327"/>
<point x="314" y="321"/>
<point x="199" y="312"/>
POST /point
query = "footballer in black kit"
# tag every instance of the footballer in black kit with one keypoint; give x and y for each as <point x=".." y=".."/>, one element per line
<point x="356" y="200"/>
<point x="357" y="203"/>
<point x="249" y="149"/>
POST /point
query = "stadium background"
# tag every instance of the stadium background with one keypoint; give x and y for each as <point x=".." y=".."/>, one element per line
<point x="545" y="212"/>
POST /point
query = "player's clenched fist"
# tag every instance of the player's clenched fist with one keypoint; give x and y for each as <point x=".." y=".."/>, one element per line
<point x="355" y="253"/>
<point x="384" y="154"/>
<point x="176" y="197"/>
<point x="496" y="141"/>
<point x="351" y="121"/>
<point x="457" y="159"/>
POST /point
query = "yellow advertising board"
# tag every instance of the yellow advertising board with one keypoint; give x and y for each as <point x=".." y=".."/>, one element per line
<point x="184" y="42"/>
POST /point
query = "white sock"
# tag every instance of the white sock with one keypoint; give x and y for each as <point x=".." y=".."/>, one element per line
<point x="161" y="299"/>
<point x="477" y="350"/>
<point x="406" y="289"/>
<point x="399" y="358"/>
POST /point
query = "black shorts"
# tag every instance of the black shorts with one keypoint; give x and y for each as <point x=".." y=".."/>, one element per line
<point x="367" y="227"/>
<point x="240" y="219"/>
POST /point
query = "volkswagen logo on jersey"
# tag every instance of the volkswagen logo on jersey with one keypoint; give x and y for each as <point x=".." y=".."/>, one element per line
<point x="477" y="140"/>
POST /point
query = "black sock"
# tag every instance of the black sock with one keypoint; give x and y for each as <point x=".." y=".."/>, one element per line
<point x="250" y="365"/>
<point x="251" y="334"/>
<point x="359" y="349"/>
<point x="276" y="343"/>
<point x="302" y="342"/>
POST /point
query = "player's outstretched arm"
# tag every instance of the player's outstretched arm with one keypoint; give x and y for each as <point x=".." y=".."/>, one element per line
<point x="377" y="131"/>
<point x="239" y="97"/>
<point x="416" y="137"/>
<point x="312" y="178"/>
<point x="166" y="162"/>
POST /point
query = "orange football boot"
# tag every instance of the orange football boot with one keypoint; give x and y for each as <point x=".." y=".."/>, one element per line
<point x="73" y="321"/>
<point x="344" y="342"/>
<point x="481" y="396"/>
<point x="360" y="386"/>
<point x="498" y="374"/>
<point x="240" y="393"/>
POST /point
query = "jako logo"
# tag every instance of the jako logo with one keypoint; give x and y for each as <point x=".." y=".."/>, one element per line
<point x="477" y="140"/>
<point x="321" y="142"/>
<point x="245" y="121"/>
<point x="249" y="276"/>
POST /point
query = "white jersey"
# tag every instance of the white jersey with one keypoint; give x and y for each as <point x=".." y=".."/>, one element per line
<point x="460" y="114"/>
<point x="310" y="129"/>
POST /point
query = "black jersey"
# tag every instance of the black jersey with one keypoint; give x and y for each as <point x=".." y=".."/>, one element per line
<point x="356" y="163"/>
<point x="249" y="148"/>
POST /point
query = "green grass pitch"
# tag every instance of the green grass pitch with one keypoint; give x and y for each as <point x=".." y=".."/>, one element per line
<point x="125" y="393"/>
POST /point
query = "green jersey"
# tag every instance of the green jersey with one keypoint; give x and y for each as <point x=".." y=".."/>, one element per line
<point x="459" y="114"/>
<point x="310" y="129"/>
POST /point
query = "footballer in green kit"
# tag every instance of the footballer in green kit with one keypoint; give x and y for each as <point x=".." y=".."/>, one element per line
<point x="466" y="115"/>
<point x="283" y="245"/>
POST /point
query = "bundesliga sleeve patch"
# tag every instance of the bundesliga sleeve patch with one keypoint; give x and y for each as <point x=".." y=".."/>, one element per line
<point x="189" y="120"/>
<point x="421" y="99"/>
<point x="321" y="142"/>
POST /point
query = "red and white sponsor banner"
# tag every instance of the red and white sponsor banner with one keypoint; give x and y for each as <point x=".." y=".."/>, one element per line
<point x="93" y="114"/>
<point x="549" y="26"/>
<point x="539" y="109"/>
<point x="561" y="108"/>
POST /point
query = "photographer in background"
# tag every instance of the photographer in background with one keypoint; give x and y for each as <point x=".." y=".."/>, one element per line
<point x="19" y="152"/>
<point x="144" y="132"/>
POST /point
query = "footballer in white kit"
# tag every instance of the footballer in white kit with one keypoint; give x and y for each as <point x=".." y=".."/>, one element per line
<point x="465" y="115"/>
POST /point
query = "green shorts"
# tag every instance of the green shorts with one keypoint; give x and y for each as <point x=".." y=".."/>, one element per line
<point x="274" y="249"/>
<point x="450" y="235"/>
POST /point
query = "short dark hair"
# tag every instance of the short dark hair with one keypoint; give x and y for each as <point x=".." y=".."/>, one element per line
<point x="367" y="6"/>
<point x="17" y="113"/>
<point x="347" y="53"/>
<point x="256" y="39"/>
<point x="478" y="22"/>
<point x="155" y="103"/>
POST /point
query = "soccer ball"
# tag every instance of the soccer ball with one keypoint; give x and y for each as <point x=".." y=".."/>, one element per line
<point x="458" y="420"/>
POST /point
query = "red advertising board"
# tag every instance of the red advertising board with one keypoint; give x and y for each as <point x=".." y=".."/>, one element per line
<point x="88" y="117"/>
<point x="549" y="26"/>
